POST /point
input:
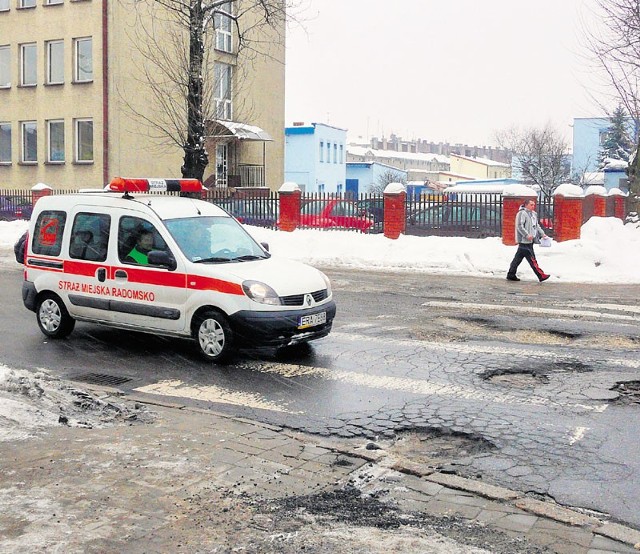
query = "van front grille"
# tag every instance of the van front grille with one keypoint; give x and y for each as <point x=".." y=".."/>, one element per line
<point x="298" y="299"/>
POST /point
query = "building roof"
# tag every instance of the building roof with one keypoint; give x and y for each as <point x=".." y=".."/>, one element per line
<point x="483" y="161"/>
<point x="363" y="151"/>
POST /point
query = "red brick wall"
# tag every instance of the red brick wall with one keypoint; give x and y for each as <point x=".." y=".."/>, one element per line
<point x="567" y="218"/>
<point x="620" y="207"/>
<point x="394" y="214"/>
<point x="510" y="207"/>
<point x="599" y="205"/>
<point x="289" y="210"/>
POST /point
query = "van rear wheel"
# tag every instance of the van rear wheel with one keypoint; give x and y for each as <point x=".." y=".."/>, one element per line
<point x="213" y="336"/>
<point x="53" y="318"/>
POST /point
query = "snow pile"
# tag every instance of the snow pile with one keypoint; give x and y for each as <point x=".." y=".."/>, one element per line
<point x="31" y="402"/>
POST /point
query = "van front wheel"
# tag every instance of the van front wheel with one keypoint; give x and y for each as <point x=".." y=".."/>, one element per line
<point x="53" y="318"/>
<point x="213" y="336"/>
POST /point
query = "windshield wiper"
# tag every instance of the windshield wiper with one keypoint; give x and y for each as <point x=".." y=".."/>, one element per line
<point x="248" y="258"/>
<point x="214" y="259"/>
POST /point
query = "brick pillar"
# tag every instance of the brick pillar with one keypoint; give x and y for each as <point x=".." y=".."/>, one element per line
<point x="567" y="217"/>
<point x="395" y="197"/>
<point x="290" y="201"/>
<point x="599" y="205"/>
<point x="510" y="207"/>
<point x="620" y="206"/>
<point x="38" y="191"/>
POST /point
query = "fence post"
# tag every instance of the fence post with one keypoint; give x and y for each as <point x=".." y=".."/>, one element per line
<point x="567" y="212"/>
<point x="596" y="198"/>
<point x="619" y="203"/>
<point x="290" y="202"/>
<point x="38" y="191"/>
<point x="512" y="198"/>
<point x="395" y="196"/>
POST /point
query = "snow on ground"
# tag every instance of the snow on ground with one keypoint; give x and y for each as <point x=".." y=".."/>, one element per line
<point x="607" y="252"/>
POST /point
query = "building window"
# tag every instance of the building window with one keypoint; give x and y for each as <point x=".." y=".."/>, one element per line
<point x="322" y="151"/>
<point x="335" y="153"/>
<point x="55" y="141"/>
<point x="5" y="66"/>
<point x="29" y="142"/>
<point x="224" y="106"/>
<point x="28" y="64"/>
<point x="55" y="62"/>
<point x="52" y="2"/>
<point x="4" y="5"/>
<point x="321" y="187"/>
<point x="83" y="51"/>
<point x="27" y="3"/>
<point x="5" y="142"/>
<point x="84" y="140"/>
<point x="341" y="153"/>
<point x="328" y="152"/>
<point x="339" y="189"/>
<point x="222" y="25"/>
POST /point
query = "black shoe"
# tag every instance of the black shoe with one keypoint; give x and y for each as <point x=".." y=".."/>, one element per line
<point x="544" y="278"/>
<point x="514" y="278"/>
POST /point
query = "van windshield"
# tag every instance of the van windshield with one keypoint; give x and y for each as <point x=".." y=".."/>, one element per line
<point x="214" y="239"/>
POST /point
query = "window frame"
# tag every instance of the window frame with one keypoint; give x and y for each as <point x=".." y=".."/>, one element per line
<point x="23" y="142"/>
<point x="22" y="4"/>
<point x="23" y="61"/>
<point x="7" y="4"/>
<point x="53" y="2"/>
<point x="223" y="91"/>
<point x="78" y="140"/>
<point x="224" y="29"/>
<point x="6" y="48"/>
<point x="49" y="220"/>
<point x="77" y="42"/>
<point x="48" y="52"/>
<point x="50" y="159"/>
<point x="6" y="124"/>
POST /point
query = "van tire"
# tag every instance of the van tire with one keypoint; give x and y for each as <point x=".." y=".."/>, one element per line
<point x="53" y="318"/>
<point x="213" y="336"/>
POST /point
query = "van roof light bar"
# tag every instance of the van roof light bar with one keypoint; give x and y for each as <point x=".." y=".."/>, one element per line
<point x="120" y="184"/>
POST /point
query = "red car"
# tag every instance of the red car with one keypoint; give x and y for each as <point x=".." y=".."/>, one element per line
<point x="334" y="214"/>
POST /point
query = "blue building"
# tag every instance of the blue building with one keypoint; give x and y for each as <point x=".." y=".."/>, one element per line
<point x="366" y="176"/>
<point x="315" y="157"/>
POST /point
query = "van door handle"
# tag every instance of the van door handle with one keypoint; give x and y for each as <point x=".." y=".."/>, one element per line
<point x="102" y="274"/>
<point x="121" y="274"/>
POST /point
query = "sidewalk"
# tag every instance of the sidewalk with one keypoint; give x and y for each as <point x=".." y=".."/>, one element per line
<point x="196" y="481"/>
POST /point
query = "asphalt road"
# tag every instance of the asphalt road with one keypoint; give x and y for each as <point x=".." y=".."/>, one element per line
<point x="508" y="382"/>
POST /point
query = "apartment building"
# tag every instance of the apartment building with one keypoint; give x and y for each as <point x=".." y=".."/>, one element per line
<point x="77" y="108"/>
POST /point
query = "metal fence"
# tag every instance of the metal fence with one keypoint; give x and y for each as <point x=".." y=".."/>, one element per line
<point x="466" y="215"/>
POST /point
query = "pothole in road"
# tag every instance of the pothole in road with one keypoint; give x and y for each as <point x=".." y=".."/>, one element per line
<point x="629" y="392"/>
<point x="515" y="377"/>
<point x="435" y="448"/>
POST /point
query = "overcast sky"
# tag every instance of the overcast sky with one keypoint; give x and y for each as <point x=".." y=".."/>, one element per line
<point x="455" y="70"/>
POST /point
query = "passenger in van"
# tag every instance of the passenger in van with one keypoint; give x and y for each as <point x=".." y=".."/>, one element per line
<point x="140" y="252"/>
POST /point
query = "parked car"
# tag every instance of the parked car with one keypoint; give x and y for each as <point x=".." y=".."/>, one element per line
<point x="373" y="208"/>
<point x="14" y="207"/>
<point x="261" y="212"/>
<point x="334" y="214"/>
<point x="447" y="219"/>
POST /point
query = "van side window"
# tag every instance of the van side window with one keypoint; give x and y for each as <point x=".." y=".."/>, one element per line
<point x="136" y="238"/>
<point x="47" y="234"/>
<point x="90" y="237"/>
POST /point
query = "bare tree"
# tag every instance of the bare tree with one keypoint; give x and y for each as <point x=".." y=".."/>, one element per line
<point x="179" y="42"/>
<point x="614" y="42"/>
<point x="388" y="176"/>
<point x="540" y="155"/>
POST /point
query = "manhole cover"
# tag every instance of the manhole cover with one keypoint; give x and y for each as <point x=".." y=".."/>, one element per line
<point x="101" y="379"/>
<point x="629" y="392"/>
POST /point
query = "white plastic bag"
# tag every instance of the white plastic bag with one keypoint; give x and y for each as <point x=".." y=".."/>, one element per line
<point x="545" y="242"/>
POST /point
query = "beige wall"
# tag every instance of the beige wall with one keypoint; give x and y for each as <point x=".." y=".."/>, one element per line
<point x="44" y="102"/>
<point x="135" y="147"/>
<point x="479" y="170"/>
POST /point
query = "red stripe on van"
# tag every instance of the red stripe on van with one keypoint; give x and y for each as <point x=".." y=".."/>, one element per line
<point x="151" y="277"/>
<point x="208" y="283"/>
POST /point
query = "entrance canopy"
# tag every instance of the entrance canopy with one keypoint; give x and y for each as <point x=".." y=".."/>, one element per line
<point x="234" y="130"/>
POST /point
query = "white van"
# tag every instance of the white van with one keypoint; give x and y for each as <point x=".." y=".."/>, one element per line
<point x="167" y="265"/>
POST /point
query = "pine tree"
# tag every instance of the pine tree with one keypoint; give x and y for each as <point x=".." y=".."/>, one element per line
<point x="617" y="144"/>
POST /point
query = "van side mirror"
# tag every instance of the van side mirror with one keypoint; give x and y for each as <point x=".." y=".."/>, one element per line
<point x="163" y="259"/>
<point x="265" y="245"/>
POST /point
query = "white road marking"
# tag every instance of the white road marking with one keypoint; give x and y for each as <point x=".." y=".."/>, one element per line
<point x="532" y="310"/>
<point x="210" y="393"/>
<point x="578" y="434"/>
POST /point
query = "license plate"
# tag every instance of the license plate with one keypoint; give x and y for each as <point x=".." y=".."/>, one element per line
<point x="312" y="320"/>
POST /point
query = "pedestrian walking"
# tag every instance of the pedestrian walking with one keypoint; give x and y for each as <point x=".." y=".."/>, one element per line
<point x="528" y="232"/>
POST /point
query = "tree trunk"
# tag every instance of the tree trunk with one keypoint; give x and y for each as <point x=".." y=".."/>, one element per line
<point x="195" y="153"/>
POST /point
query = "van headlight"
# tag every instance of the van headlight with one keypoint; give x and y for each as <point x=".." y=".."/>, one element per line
<point x="328" y="283"/>
<point x="261" y="292"/>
